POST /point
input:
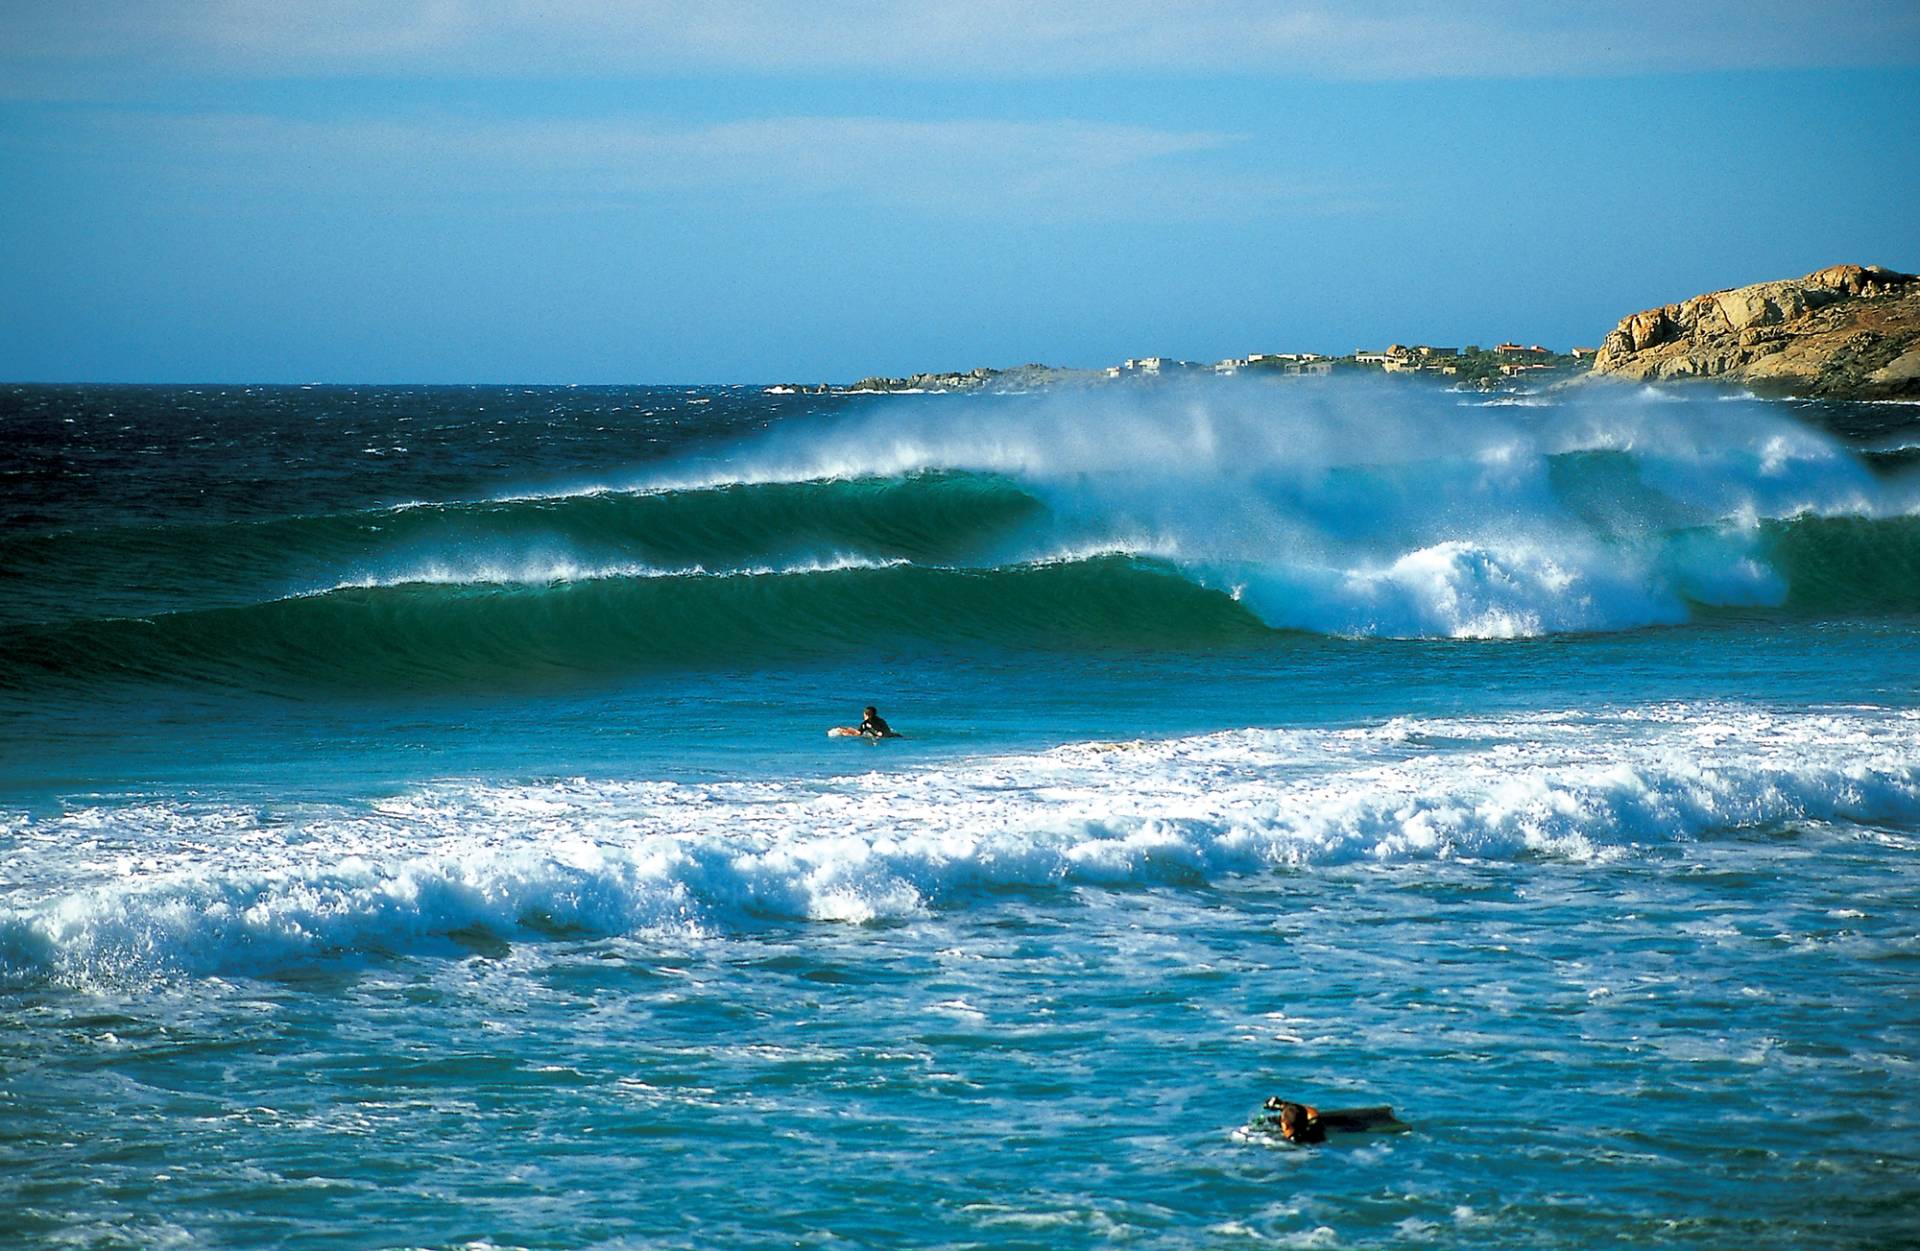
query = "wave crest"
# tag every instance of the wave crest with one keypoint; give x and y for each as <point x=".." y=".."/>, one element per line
<point x="1164" y="518"/>
<point x="429" y="870"/>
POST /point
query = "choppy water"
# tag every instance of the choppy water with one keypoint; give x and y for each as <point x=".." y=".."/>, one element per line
<point x="416" y="826"/>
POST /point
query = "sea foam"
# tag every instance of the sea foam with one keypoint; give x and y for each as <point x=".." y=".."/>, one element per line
<point x="240" y="890"/>
<point x="1364" y="510"/>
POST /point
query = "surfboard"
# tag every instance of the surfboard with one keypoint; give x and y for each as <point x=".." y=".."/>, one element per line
<point x="1375" y="1120"/>
<point x="843" y="731"/>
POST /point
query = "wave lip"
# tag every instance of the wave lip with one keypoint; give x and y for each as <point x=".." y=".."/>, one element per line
<point x="558" y="572"/>
<point x="191" y="564"/>
<point x="425" y="871"/>
<point x="1164" y="520"/>
<point x="453" y="624"/>
<point x="472" y="627"/>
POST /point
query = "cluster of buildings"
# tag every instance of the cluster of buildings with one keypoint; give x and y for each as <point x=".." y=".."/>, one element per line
<point x="1268" y="362"/>
<point x="1469" y="367"/>
<point x="1277" y="362"/>
<point x="1506" y="359"/>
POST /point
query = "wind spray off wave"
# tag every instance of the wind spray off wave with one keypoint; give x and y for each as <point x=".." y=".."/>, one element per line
<point x="1403" y="512"/>
<point x="1187" y="518"/>
<point x="414" y="792"/>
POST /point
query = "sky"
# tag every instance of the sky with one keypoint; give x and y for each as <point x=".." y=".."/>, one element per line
<point x="584" y="191"/>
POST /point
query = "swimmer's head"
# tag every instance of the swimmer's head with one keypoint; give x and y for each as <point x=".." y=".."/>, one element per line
<point x="870" y="711"/>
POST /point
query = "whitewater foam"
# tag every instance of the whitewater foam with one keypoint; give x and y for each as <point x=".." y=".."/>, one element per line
<point x="1348" y="511"/>
<point x="559" y="571"/>
<point x="1370" y="511"/>
<point x="243" y="889"/>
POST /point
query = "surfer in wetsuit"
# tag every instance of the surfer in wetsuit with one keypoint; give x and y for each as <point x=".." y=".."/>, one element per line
<point x="873" y="724"/>
<point x="1302" y="1122"/>
<point x="1299" y="1122"/>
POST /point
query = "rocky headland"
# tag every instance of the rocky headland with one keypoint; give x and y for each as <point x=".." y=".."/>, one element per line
<point x="1844" y="332"/>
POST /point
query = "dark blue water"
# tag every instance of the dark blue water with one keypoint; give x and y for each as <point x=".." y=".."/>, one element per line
<point x="417" y="826"/>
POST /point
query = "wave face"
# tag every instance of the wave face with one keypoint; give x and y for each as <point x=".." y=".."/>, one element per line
<point x="1165" y="518"/>
<point x="451" y="863"/>
<point x="475" y="629"/>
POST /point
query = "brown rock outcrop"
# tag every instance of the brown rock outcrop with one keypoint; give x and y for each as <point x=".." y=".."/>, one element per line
<point x="1844" y="332"/>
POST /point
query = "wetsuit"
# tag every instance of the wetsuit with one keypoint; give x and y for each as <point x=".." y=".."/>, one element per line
<point x="1300" y="1122"/>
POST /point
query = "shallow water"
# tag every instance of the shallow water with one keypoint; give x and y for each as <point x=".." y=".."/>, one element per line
<point x="439" y="847"/>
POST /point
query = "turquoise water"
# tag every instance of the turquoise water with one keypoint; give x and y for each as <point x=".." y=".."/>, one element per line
<point x="417" y="826"/>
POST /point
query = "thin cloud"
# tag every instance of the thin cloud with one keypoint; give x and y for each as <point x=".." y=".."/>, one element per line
<point x="1054" y="169"/>
<point x="1367" y="39"/>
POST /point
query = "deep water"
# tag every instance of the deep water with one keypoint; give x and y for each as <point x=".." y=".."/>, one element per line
<point x="417" y="826"/>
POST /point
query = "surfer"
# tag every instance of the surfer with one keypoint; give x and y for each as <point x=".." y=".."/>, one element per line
<point x="1304" y="1123"/>
<point x="873" y="727"/>
<point x="1298" y="1122"/>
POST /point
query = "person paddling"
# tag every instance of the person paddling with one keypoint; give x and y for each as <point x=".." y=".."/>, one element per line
<point x="1304" y="1123"/>
<point x="872" y="724"/>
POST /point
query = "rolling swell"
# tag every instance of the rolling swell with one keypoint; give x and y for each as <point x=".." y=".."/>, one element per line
<point x="1847" y="564"/>
<point x="1175" y="520"/>
<point x="423" y="634"/>
<point x="435" y="632"/>
<point x="139" y="570"/>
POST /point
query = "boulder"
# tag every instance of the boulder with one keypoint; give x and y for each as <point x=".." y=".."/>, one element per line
<point x="1847" y="331"/>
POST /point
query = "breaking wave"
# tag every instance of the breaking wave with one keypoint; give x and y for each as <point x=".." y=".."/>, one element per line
<point x="460" y="866"/>
<point x="1168" y="518"/>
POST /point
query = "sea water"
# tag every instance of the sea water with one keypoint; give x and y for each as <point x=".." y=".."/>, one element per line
<point x="417" y="826"/>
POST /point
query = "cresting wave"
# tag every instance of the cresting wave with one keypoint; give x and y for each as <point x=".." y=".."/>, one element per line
<point x="439" y="627"/>
<point x="435" y="632"/>
<point x="481" y="865"/>
<point x="1178" y="519"/>
<point x="930" y="518"/>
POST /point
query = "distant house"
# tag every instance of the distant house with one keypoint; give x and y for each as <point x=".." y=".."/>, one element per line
<point x="1582" y="353"/>
<point x="1271" y="362"/>
<point x="1318" y="365"/>
<point x="1370" y="358"/>
<point x="1517" y="350"/>
<point x="1402" y="359"/>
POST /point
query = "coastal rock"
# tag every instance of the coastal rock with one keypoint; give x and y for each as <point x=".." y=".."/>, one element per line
<point x="1844" y="332"/>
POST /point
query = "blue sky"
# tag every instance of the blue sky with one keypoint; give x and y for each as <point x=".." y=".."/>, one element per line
<point x="760" y="190"/>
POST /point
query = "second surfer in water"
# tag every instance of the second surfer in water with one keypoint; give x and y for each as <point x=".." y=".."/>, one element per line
<point x="1298" y="1122"/>
<point x="1304" y="1123"/>
<point x="872" y="728"/>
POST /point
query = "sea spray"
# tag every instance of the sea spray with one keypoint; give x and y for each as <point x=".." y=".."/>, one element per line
<point x="600" y="857"/>
<point x="1183" y="516"/>
<point x="479" y="866"/>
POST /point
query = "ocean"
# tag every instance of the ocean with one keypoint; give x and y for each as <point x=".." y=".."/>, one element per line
<point x="418" y="826"/>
